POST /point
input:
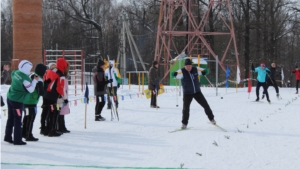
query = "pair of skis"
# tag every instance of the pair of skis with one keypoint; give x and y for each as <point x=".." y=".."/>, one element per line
<point x="216" y="125"/>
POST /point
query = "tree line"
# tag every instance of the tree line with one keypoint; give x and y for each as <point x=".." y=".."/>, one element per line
<point x="266" y="30"/>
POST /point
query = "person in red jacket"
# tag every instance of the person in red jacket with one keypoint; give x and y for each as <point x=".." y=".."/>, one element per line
<point x="297" y="73"/>
<point x="54" y="83"/>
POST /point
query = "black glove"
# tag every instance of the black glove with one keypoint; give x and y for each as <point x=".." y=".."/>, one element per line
<point x="118" y="85"/>
<point x="110" y="81"/>
<point x="66" y="101"/>
<point x="268" y="72"/>
<point x="59" y="96"/>
<point x="203" y="72"/>
<point x="252" y="66"/>
<point x="175" y="74"/>
<point x="2" y="103"/>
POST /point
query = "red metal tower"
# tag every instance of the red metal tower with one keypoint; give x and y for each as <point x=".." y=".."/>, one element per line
<point x="179" y="25"/>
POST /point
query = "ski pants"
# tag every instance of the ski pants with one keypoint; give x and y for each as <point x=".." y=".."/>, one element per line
<point x="153" y="98"/>
<point x="297" y="83"/>
<point x="264" y="85"/>
<point x="100" y="102"/>
<point x="28" y="120"/>
<point x="272" y="82"/>
<point x="14" y="121"/>
<point x="52" y="114"/>
<point x="114" y="94"/>
<point x="187" y="99"/>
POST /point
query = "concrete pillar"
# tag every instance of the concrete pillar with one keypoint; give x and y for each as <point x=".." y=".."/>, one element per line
<point x="27" y="30"/>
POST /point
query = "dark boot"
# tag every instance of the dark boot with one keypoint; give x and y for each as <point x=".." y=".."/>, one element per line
<point x="53" y="133"/>
<point x="43" y="131"/>
<point x="65" y="130"/>
<point x="30" y="121"/>
<point x="24" y="126"/>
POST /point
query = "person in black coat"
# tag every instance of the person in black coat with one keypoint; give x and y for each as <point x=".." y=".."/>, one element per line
<point x="191" y="90"/>
<point x="100" y="84"/>
<point x="271" y="80"/>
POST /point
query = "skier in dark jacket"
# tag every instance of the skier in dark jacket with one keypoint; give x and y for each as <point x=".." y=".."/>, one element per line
<point x="191" y="90"/>
<point x="19" y="91"/>
<point x="271" y="80"/>
<point x="30" y="104"/>
<point x="100" y="83"/>
<point x="153" y="84"/>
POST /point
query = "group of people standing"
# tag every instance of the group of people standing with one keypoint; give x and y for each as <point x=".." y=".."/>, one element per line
<point x="23" y="96"/>
<point x="267" y="77"/>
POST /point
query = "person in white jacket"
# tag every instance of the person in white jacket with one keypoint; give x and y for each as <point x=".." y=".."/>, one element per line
<point x="112" y="73"/>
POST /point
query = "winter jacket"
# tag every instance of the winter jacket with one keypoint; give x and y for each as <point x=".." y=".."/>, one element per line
<point x="21" y="84"/>
<point x="94" y="70"/>
<point x="273" y="74"/>
<point x="60" y="100"/>
<point x="189" y="80"/>
<point x="153" y="78"/>
<point x="297" y="73"/>
<point x="100" y="82"/>
<point x="261" y="74"/>
<point x="113" y="73"/>
<point x="55" y="80"/>
<point x="35" y="95"/>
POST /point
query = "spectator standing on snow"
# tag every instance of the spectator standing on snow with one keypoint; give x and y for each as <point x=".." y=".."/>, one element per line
<point x="46" y="108"/>
<point x="100" y="83"/>
<point x="18" y="92"/>
<point x="30" y="105"/>
<point x="191" y="90"/>
<point x="63" y="107"/>
<point x="55" y="89"/>
<point x="271" y="80"/>
<point x="4" y="77"/>
<point x="112" y="73"/>
<point x="297" y="74"/>
<point x="262" y="72"/>
<point x="153" y="84"/>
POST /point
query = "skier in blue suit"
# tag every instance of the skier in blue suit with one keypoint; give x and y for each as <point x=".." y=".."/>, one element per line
<point x="262" y="72"/>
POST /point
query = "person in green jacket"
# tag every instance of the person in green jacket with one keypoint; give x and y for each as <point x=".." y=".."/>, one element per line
<point x="19" y="91"/>
<point x="30" y="104"/>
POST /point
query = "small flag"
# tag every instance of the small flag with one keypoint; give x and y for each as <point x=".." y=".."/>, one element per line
<point x="86" y="94"/>
<point x="249" y="84"/>
<point x="282" y="76"/>
<point x="227" y="75"/>
<point x="238" y="75"/>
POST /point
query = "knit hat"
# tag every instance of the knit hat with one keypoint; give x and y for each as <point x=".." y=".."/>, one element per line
<point x="50" y="64"/>
<point x="188" y="62"/>
<point x="262" y="64"/>
<point x="100" y="62"/>
<point x="154" y="62"/>
<point x="40" y="69"/>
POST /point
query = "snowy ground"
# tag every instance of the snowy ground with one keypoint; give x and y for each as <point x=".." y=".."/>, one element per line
<point x="260" y="135"/>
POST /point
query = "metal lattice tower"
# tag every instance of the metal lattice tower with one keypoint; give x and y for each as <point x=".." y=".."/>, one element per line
<point x="179" y="24"/>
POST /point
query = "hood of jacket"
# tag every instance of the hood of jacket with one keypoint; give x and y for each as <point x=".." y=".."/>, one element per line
<point x="25" y="66"/>
<point x="61" y="64"/>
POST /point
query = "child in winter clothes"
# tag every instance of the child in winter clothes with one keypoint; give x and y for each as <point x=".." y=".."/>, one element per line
<point x="61" y="127"/>
<point x="297" y="73"/>
<point x="112" y="73"/>
<point x="18" y="92"/>
<point x="45" y="110"/>
<point x="100" y="83"/>
<point x="262" y="72"/>
<point x="55" y="82"/>
<point x="30" y="104"/>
